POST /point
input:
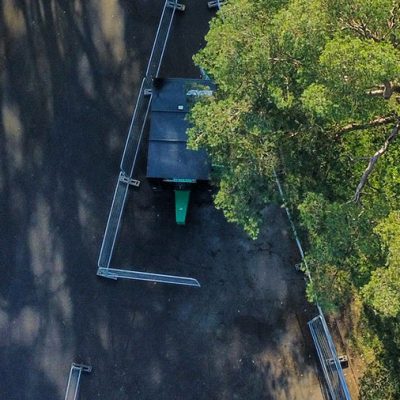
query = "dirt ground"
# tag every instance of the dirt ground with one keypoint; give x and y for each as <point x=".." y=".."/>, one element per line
<point x="70" y="71"/>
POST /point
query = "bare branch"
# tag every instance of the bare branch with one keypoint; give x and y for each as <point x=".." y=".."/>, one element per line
<point x="392" y="22"/>
<point x="286" y="58"/>
<point x="378" y="92"/>
<point x="361" y="29"/>
<point x="373" y="160"/>
<point x="371" y="124"/>
<point x="386" y="90"/>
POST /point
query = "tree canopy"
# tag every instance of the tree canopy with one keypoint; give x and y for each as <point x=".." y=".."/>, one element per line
<point x="311" y="89"/>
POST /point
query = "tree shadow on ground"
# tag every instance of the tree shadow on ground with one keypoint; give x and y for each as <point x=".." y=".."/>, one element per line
<point x="67" y="91"/>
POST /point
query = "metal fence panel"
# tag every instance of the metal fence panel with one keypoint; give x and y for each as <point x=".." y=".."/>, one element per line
<point x="113" y="223"/>
<point x="330" y="364"/>
<point x="143" y="102"/>
<point x="136" y="129"/>
<point x="135" y="134"/>
<point x="113" y="273"/>
<point x="160" y="41"/>
<point x="74" y="378"/>
<point x="129" y="157"/>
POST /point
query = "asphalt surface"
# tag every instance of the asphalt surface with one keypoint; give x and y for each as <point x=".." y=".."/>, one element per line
<point x="69" y="76"/>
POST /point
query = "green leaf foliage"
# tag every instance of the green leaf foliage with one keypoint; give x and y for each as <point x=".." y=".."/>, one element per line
<point x="383" y="290"/>
<point x="311" y="88"/>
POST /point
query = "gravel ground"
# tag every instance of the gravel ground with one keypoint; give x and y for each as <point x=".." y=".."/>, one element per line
<point x="69" y="76"/>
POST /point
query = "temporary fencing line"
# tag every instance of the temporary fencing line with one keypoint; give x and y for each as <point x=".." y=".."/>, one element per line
<point x="320" y="354"/>
<point x="296" y="236"/>
<point x="329" y="359"/>
<point x="122" y="186"/>
<point x="218" y="4"/>
<point x="117" y="206"/>
<point x="332" y="347"/>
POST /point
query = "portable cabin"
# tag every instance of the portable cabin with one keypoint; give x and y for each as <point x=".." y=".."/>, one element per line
<point x="168" y="159"/>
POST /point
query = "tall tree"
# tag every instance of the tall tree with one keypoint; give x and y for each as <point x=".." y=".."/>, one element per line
<point x="311" y="88"/>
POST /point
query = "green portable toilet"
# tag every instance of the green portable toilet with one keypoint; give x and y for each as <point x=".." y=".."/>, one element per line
<point x="181" y="205"/>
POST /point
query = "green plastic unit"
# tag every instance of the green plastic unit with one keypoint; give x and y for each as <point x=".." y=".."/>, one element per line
<point x="181" y="205"/>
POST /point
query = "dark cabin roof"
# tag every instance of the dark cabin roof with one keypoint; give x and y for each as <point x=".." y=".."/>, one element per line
<point x="168" y="157"/>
